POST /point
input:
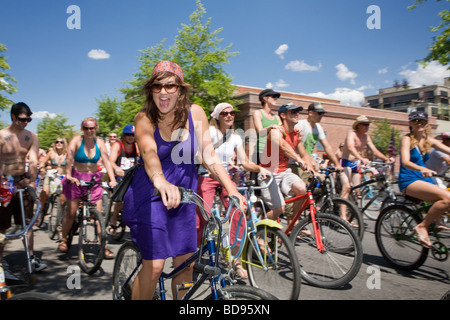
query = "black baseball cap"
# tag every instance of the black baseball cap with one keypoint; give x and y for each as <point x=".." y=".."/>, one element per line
<point x="268" y="93"/>
<point x="289" y="106"/>
<point x="317" y="107"/>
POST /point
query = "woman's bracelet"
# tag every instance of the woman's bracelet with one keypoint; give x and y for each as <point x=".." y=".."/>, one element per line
<point x="156" y="173"/>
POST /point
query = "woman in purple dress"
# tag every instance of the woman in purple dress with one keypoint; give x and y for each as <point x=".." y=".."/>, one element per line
<point x="159" y="225"/>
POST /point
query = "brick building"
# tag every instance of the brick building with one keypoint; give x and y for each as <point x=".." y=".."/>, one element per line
<point x="336" y="123"/>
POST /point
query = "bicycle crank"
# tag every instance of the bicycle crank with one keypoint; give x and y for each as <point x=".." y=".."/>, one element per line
<point x="439" y="251"/>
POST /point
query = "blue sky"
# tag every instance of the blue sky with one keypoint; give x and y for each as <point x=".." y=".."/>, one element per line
<point x="322" y="48"/>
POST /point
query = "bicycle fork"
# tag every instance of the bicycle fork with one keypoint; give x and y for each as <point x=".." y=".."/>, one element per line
<point x="319" y="243"/>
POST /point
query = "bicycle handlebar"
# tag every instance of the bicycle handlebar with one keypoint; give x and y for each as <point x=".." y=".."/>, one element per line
<point x="252" y="187"/>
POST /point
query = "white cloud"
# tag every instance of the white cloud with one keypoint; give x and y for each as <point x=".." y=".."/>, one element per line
<point x="279" y="84"/>
<point x="98" y="54"/>
<point x="433" y="72"/>
<point x="344" y="73"/>
<point x="346" y="96"/>
<point x="43" y="114"/>
<point x="282" y="50"/>
<point x="299" y="66"/>
<point x="383" y="71"/>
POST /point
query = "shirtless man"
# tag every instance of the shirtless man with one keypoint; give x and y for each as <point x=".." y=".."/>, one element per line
<point x="355" y="143"/>
<point x="18" y="149"/>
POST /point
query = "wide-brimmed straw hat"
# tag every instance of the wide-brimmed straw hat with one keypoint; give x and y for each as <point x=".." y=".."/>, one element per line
<point x="360" y="119"/>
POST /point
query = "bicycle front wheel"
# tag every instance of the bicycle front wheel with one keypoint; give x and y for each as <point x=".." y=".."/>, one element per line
<point x="55" y="220"/>
<point x="347" y="210"/>
<point x="92" y="242"/>
<point x="272" y="263"/>
<point x="396" y="238"/>
<point x="126" y="268"/>
<point x="341" y="258"/>
<point x="238" y="292"/>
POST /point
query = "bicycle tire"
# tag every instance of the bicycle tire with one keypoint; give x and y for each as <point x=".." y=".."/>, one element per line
<point x="446" y="296"/>
<point x="55" y="221"/>
<point x="355" y="218"/>
<point x="276" y="269"/>
<point x="46" y="210"/>
<point x="33" y="296"/>
<point x="339" y="263"/>
<point x="126" y="262"/>
<point x="91" y="242"/>
<point x="395" y="238"/>
<point x="241" y="292"/>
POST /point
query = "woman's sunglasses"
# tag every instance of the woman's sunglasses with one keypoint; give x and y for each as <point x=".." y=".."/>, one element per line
<point x="170" y="87"/>
<point x="226" y="113"/>
<point x="422" y="122"/>
<point x="61" y="142"/>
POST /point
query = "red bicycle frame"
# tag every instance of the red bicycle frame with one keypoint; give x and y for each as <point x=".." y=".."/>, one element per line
<point x="312" y="209"/>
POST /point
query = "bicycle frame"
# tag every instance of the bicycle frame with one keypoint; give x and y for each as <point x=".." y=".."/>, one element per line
<point x="309" y="201"/>
<point x="212" y="247"/>
<point x="23" y="234"/>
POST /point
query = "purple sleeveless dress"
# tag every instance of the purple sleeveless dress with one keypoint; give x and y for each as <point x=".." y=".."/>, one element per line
<point x="158" y="232"/>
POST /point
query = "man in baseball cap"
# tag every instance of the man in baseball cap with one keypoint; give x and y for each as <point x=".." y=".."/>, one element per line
<point x="289" y="106"/>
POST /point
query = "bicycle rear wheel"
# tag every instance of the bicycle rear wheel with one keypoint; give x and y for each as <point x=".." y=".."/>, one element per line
<point x="238" y="292"/>
<point x="396" y="238"/>
<point x="272" y="263"/>
<point x="342" y="258"/>
<point x="339" y="206"/>
<point x="125" y="270"/>
<point x="92" y="242"/>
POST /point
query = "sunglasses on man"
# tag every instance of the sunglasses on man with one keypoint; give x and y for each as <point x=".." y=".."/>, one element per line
<point x="24" y="119"/>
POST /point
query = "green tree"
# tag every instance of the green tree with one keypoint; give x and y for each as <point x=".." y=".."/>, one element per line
<point x="108" y="115"/>
<point x="5" y="80"/>
<point x="440" y="48"/>
<point x="48" y="129"/>
<point x="381" y="136"/>
<point x="198" y="51"/>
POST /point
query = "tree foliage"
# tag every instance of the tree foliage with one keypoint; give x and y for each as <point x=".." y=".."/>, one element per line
<point x="381" y="136"/>
<point x="49" y="129"/>
<point x="197" y="49"/>
<point x="440" y="48"/>
<point x="6" y="81"/>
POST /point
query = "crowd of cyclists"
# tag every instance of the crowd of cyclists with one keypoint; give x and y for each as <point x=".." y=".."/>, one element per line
<point x="286" y="139"/>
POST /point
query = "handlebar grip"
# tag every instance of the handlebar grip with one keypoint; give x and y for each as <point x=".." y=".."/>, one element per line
<point x="156" y="192"/>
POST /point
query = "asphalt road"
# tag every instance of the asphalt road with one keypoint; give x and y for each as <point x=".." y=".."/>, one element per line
<point x="429" y="282"/>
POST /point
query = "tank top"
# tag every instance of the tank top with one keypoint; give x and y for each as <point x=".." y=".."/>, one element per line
<point x="81" y="156"/>
<point x="265" y="123"/>
<point x="126" y="160"/>
<point x="279" y="162"/>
